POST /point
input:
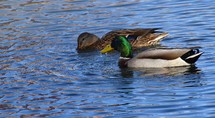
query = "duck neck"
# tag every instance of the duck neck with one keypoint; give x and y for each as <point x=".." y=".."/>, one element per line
<point x="125" y="56"/>
<point x="126" y="52"/>
<point x="96" y="42"/>
<point x="101" y="43"/>
<point x="123" y="62"/>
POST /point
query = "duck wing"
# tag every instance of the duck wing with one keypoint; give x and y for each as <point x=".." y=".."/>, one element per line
<point x="165" y="54"/>
<point x="137" y="31"/>
<point x="165" y="58"/>
<point x="139" y="37"/>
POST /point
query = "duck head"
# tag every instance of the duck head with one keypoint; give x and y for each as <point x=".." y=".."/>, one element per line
<point x="121" y="44"/>
<point x="86" y="40"/>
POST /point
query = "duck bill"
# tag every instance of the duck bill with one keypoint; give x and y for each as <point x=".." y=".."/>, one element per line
<point x="108" y="48"/>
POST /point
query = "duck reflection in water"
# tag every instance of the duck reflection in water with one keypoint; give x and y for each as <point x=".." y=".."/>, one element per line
<point x="171" y="71"/>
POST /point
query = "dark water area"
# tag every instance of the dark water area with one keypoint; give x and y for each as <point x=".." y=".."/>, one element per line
<point x="42" y="75"/>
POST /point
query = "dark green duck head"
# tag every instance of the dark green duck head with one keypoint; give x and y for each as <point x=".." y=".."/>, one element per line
<point x="121" y="44"/>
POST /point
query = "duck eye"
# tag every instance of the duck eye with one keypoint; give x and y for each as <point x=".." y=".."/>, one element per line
<point x="83" y="39"/>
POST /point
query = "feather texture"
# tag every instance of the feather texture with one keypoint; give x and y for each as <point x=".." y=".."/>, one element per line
<point x="139" y="37"/>
<point x="153" y="58"/>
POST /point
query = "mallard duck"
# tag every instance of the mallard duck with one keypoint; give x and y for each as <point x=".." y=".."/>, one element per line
<point x="137" y="37"/>
<point x="154" y="58"/>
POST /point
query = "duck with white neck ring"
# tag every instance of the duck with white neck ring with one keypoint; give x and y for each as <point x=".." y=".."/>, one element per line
<point x="152" y="58"/>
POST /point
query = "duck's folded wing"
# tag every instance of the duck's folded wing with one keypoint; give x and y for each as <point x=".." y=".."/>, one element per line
<point x="166" y="54"/>
<point x="136" y="32"/>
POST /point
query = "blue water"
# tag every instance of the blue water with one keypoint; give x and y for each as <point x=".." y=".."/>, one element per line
<point x="42" y="75"/>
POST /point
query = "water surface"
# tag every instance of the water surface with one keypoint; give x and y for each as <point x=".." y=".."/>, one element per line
<point x="42" y="75"/>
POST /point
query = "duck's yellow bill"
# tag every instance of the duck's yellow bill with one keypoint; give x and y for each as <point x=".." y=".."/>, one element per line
<point x="107" y="48"/>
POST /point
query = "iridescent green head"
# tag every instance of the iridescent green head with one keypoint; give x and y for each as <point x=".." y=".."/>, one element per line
<point x="121" y="44"/>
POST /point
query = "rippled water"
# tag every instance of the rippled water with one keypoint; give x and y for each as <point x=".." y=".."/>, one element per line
<point x="41" y="74"/>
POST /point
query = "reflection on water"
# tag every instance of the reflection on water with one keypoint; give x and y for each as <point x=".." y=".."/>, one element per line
<point x="42" y="75"/>
<point x="187" y="76"/>
<point x="175" y="71"/>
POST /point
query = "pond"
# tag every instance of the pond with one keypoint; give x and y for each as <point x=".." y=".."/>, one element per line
<point x="42" y="75"/>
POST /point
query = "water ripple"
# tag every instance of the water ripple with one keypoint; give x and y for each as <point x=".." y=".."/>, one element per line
<point x="42" y="75"/>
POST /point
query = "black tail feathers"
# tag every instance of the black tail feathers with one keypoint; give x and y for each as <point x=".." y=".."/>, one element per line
<point x="192" y="56"/>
